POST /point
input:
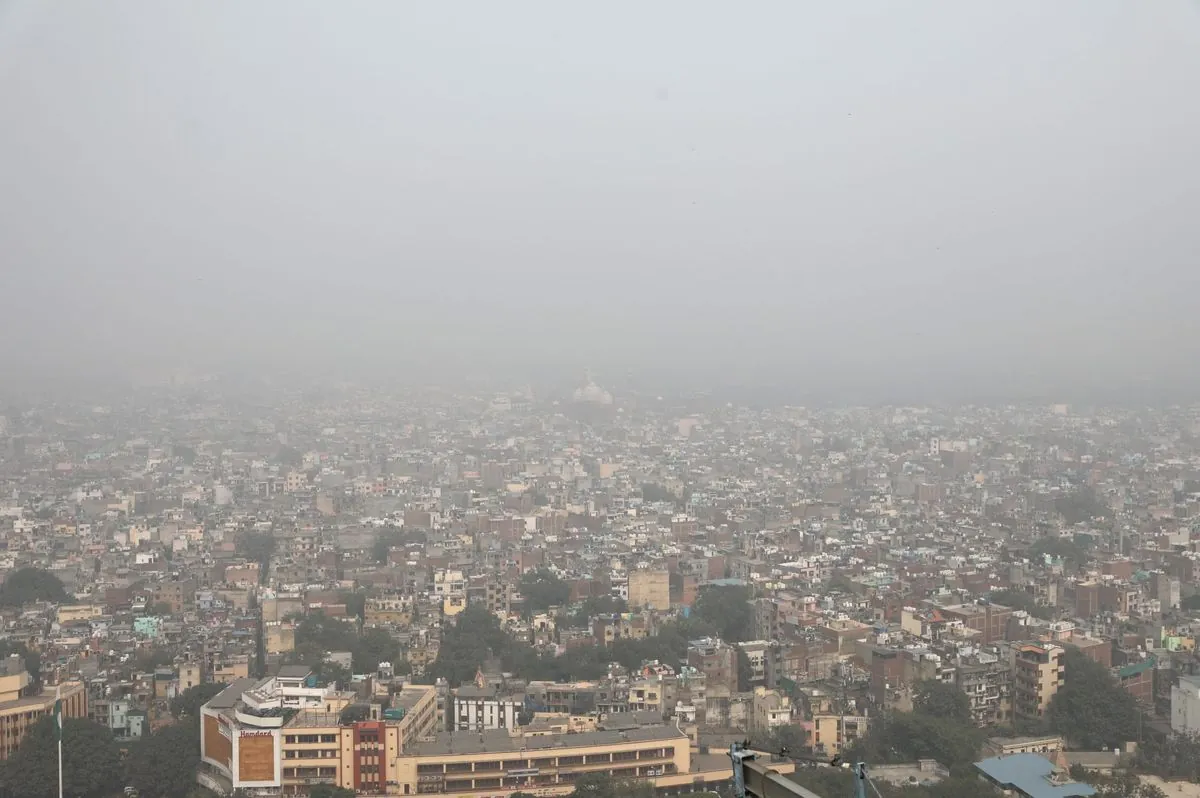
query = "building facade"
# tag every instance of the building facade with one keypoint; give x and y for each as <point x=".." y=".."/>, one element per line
<point x="1038" y="673"/>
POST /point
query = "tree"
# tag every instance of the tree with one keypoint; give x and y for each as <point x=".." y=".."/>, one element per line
<point x="30" y="657"/>
<point x="657" y="493"/>
<point x="27" y="585"/>
<point x="1056" y="547"/>
<point x="187" y="704"/>
<point x="330" y="791"/>
<point x="729" y="610"/>
<point x="941" y="700"/>
<point x="543" y="589"/>
<point x="161" y="608"/>
<point x="163" y="765"/>
<point x="1175" y="758"/>
<point x="475" y="636"/>
<point x="385" y="541"/>
<point x="1123" y="785"/>
<point x="354" y="713"/>
<point x="91" y="761"/>
<point x="601" y="785"/>
<point x="788" y="739"/>
<point x="1080" y="505"/>
<point x="258" y="547"/>
<point x="906" y="736"/>
<point x="356" y="604"/>
<point x="745" y="671"/>
<point x="1091" y="709"/>
<point x="1020" y="600"/>
<point x="373" y="647"/>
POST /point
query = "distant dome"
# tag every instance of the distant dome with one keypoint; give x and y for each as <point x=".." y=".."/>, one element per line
<point x="591" y="393"/>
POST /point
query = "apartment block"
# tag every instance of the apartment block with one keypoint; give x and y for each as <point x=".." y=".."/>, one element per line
<point x="650" y="589"/>
<point x="21" y="707"/>
<point x="1038" y="673"/>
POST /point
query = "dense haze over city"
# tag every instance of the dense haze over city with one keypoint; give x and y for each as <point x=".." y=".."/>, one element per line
<point x="562" y="400"/>
<point x="883" y="200"/>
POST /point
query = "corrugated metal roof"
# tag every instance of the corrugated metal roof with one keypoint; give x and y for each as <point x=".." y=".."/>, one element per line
<point x="1029" y="775"/>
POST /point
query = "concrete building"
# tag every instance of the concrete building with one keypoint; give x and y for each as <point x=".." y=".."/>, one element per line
<point x="772" y="709"/>
<point x="495" y="763"/>
<point x="21" y="707"/>
<point x="832" y="733"/>
<point x="485" y="709"/>
<point x="1185" y="705"/>
<point x="1031" y="776"/>
<point x="282" y="734"/>
<point x="987" y="681"/>
<point x="650" y="589"/>
<point x="1038" y="673"/>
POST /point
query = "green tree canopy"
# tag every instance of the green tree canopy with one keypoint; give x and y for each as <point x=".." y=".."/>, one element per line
<point x="1091" y="709"/>
<point x="356" y="603"/>
<point x="475" y="635"/>
<point x="1081" y="505"/>
<point x="1065" y="548"/>
<point x="187" y="704"/>
<point x="729" y="611"/>
<point x="941" y="700"/>
<point x="601" y="785"/>
<point x="163" y="765"/>
<point x="30" y="657"/>
<point x="745" y="671"/>
<point x="543" y="589"/>
<point x="372" y="647"/>
<point x="330" y="791"/>
<point x="657" y="493"/>
<point x="354" y="713"/>
<point x="91" y="761"/>
<point x="593" y="606"/>
<point x="1020" y="600"/>
<point x="387" y="539"/>
<point x="257" y="546"/>
<point x="26" y="585"/>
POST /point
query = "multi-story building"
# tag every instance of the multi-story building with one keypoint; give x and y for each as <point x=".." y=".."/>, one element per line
<point x="1185" y="705"/>
<point x="987" y="681"/>
<point x="716" y="660"/>
<point x="282" y="735"/>
<point x="771" y="710"/>
<point x="495" y="763"/>
<point x="832" y="733"/>
<point x="21" y="706"/>
<point x="650" y="589"/>
<point x="1038" y="673"/>
<point x="450" y="589"/>
<point x="485" y="709"/>
<point x="758" y="652"/>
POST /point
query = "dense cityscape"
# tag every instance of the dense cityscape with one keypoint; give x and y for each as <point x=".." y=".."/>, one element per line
<point x="363" y="591"/>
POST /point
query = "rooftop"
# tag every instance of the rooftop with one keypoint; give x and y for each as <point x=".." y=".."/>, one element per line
<point x="1030" y="774"/>
<point x="500" y="742"/>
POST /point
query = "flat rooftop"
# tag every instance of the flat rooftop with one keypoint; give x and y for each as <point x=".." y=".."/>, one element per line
<point x="499" y="742"/>
<point x="228" y="698"/>
<point x="409" y="697"/>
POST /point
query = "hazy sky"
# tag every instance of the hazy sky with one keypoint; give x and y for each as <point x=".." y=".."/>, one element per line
<point x="952" y="190"/>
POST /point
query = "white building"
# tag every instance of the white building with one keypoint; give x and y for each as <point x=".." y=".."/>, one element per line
<point x="484" y="709"/>
<point x="1185" y="706"/>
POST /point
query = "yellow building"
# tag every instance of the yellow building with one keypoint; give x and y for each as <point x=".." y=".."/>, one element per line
<point x="1038" y="673"/>
<point x="71" y="613"/>
<point x="283" y="735"/>
<point x="494" y="762"/>
<point x="20" y="707"/>
<point x="832" y="733"/>
<point x="229" y="672"/>
<point x="650" y="589"/>
<point x="388" y="611"/>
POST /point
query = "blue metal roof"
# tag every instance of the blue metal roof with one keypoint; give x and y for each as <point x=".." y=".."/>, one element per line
<point x="1028" y="774"/>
